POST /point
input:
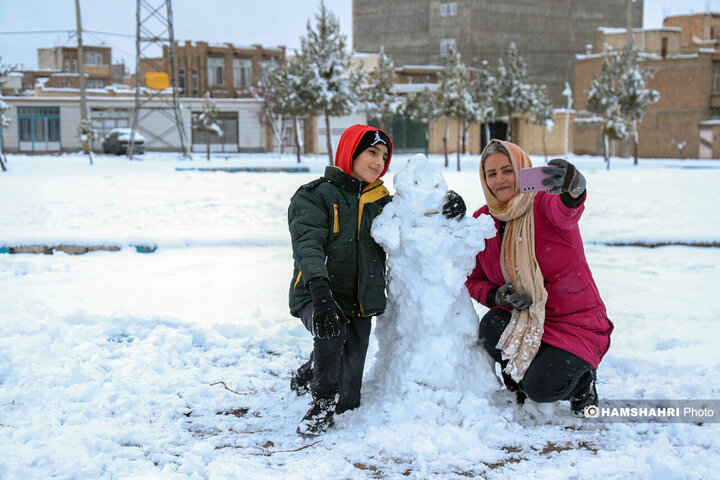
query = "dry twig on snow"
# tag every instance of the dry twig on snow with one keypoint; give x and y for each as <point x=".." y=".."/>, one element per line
<point x="270" y="452"/>
<point x="230" y="389"/>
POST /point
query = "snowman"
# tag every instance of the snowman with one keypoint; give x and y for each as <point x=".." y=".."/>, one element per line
<point x="427" y="337"/>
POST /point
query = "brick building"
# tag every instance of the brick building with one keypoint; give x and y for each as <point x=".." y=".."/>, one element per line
<point x="223" y="69"/>
<point x="685" y="121"/>
<point x="548" y="33"/>
<point x="58" y="68"/>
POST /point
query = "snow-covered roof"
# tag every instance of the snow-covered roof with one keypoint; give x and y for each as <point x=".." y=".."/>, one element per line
<point x="414" y="87"/>
<point x="614" y="31"/>
<point x="420" y="67"/>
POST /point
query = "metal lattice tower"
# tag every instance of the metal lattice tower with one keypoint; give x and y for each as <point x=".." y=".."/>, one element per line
<point x="152" y="19"/>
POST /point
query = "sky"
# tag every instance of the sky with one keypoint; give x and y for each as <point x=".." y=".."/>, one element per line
<point x="242" y="22"/>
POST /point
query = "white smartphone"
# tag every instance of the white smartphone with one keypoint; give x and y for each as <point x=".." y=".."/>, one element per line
<point x="531" y="179"/>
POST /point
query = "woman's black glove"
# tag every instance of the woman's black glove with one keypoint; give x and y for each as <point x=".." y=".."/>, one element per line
<point x="566" y="178"/>
<point x="326" y="313"/>
<point x="454" y="206"/>
<point x="508" y="297"/>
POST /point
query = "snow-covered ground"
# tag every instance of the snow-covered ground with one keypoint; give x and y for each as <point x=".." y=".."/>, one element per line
<point x="176" y="364"/>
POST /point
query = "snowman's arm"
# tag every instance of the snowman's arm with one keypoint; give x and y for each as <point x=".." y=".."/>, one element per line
<point x="309" y="223"/>
<point x="479" y="286"/>
<point x="385" y="228"/>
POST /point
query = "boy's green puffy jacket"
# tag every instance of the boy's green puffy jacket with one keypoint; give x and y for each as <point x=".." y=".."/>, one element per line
<point x="330" y="230"/>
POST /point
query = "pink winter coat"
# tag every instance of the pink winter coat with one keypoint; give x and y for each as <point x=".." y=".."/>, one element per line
<point x="575" y="318"/>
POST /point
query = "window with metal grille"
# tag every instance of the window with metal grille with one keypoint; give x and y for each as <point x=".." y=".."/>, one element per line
<point x="181" y="81"/>
<point x="215" y="72"/>
<point x="242" y="76"/>
<point x="447" y="45"/>
<point x="448" y="9"/>
<point x="93" y="58"/>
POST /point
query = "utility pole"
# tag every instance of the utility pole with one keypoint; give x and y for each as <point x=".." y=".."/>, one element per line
<point x="155" y="28"/>
<point x="85" y="128"/>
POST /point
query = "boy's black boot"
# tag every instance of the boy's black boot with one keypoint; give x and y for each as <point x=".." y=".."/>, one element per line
<point x="319" y="417"/>
<point x="584" y="399"/>
<point x="300" y="379"/>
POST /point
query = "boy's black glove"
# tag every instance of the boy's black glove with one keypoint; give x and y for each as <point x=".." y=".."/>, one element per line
<point x="327" y="315"/>
<point x="454" y="206"/>
<point x="508" y="297"/>
<point x="566" y="178"/>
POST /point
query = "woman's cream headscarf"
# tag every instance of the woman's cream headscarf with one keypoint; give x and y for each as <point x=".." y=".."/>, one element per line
<point x="521" y="339"/>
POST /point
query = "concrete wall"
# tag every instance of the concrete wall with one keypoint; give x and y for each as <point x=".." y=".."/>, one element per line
<point x="527" y="134"/>
<point x="251" y="135"/>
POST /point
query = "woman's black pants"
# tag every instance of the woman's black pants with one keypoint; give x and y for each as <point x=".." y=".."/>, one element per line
<point x="554" y="374"/>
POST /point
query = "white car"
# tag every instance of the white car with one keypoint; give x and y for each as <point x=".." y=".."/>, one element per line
<point x="118" y="139"/>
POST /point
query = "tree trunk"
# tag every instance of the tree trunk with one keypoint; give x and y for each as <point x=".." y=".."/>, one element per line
<point x="459" y="143"/>
<point x="606" y="151"/>
<point x="281" y="135"/>
<point x="635" y="142"/>
<point x="427" y="140"/>
<point x="207" y="145"/>
<point x="508" y="134"/>
<point x="487" y="134"/>
<point x="3" y="158"/>
<point x="327" y="136"/>
<point x="296" y="128"/>
<point x="545" y="143"/>
<point x="445" y="139"/>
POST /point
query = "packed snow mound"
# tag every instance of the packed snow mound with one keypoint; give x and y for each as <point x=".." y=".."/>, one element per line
<point x="428" y="335"/>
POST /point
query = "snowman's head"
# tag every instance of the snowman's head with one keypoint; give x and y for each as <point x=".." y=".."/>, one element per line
<point x="420" y="187"/>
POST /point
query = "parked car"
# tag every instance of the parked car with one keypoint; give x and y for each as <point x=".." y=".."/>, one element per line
<point x="118" y="139"/>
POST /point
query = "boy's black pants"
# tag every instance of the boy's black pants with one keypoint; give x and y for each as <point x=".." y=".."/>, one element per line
<point x="554" y="374"/>
<point x="338" y="362"/>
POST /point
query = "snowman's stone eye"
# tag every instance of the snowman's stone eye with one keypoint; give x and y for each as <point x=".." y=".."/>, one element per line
<point x="437" y="185"/>
<point x="415" y="182"/>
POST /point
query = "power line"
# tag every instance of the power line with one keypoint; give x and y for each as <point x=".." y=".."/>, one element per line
<point x="36" y="32"/>
<point x="40" y="32"/>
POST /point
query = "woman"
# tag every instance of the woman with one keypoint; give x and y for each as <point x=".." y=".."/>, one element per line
<point x="547" y="324"/>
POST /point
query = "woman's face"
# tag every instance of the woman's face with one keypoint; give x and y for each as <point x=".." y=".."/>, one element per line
<point x="368" y="166"/>
<point x="500" y="177"/>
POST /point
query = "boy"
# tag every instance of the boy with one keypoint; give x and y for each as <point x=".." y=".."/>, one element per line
<point x="338" y="282"/>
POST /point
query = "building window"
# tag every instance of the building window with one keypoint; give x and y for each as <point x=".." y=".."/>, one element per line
<point x="447" y="45"/>
<point x="181" y="81"/>
<point x="195" y="83"/>
<point x="93" y="58"/>
<point x="716" y="78"/>
<point x="38" y="127"/>
<point x="242" y="68"/>
<point x="74" y="65"/>
<point x="448" y="9"/>
<point x="663" y="47"/>
<point x="94" y="83"/>
<point x="67" y="65"/>
<point x="215" y="72"/>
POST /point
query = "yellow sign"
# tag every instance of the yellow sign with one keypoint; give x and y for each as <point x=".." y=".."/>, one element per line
<point x="157" y="80"/>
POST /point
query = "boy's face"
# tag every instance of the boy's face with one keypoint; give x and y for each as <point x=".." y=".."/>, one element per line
<point x="368" y="166"/>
